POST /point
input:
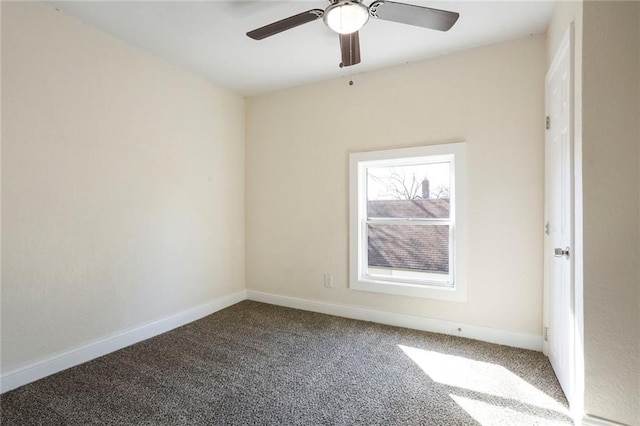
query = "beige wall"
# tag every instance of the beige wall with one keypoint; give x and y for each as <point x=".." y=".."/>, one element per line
<point x="298" y="142"/>
<point x="611" y="140"/>
<point x="122" y="186"/>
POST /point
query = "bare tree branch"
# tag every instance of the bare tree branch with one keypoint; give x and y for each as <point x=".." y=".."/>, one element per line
<point x="441" y="191"/>
<point x="396" y="184"/>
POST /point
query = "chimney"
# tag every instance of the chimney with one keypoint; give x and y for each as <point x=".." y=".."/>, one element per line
<point x="425" y="189"/>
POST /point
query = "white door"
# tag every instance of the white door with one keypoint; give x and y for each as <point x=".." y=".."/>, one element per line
<point x="559" y="294"/>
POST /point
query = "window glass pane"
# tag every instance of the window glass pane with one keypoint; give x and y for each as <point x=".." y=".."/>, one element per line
<point x="417" y="248"/>
<point x="416" y="191"/>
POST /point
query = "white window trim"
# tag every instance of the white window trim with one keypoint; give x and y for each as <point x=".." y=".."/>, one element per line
<point x="357" y="203"/>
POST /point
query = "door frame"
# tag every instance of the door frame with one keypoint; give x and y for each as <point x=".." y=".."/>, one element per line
<point x="567" y="46"/>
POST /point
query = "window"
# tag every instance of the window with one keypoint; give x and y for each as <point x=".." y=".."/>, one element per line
<point x="407" y="221"/>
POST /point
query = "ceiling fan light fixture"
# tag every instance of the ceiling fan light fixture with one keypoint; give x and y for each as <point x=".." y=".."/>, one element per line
<point x="346" y="17"/>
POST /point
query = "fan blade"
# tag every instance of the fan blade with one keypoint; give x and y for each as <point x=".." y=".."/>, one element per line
<point x="350" y="48"/>
<point x="285" y="24"/>
<point x="419" y="16"/>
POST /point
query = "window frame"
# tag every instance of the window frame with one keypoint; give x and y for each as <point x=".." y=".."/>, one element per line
<point x="454" y="153"/>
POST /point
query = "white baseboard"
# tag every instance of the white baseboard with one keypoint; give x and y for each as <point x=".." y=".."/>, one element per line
<point x="492" y="335"/>
<point x="114" y="342"/>
<point x="97" y="348"/>
<point x="588" y="420"/>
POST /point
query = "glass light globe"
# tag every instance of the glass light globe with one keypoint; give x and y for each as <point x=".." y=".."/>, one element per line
<point x="346" y="18"/>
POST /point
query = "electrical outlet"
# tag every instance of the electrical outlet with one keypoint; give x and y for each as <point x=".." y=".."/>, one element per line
<point x="328" y="280"/>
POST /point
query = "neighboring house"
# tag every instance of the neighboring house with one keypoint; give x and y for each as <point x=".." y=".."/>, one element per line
<point x="410" y="247"/>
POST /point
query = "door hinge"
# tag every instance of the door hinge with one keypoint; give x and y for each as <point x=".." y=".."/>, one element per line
<point x="548" y="123"/>
<point x="545" y="334"/>
<point x="546" y="228"/>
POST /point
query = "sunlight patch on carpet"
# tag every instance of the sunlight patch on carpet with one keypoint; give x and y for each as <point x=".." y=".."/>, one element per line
<point x="482" y="389"/>
<point x="489" y="414"/>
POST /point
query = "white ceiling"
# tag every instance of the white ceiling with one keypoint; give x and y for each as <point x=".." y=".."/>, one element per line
<point x="208" y="38"/>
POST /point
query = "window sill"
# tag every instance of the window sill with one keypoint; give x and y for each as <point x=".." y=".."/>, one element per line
<point x="451" y="294"/>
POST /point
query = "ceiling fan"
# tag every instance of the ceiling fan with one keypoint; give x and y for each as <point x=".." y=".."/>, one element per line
<point x="347" y="17"/>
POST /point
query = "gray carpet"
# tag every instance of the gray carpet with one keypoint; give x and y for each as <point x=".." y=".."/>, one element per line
<point x="255" y="363"/>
